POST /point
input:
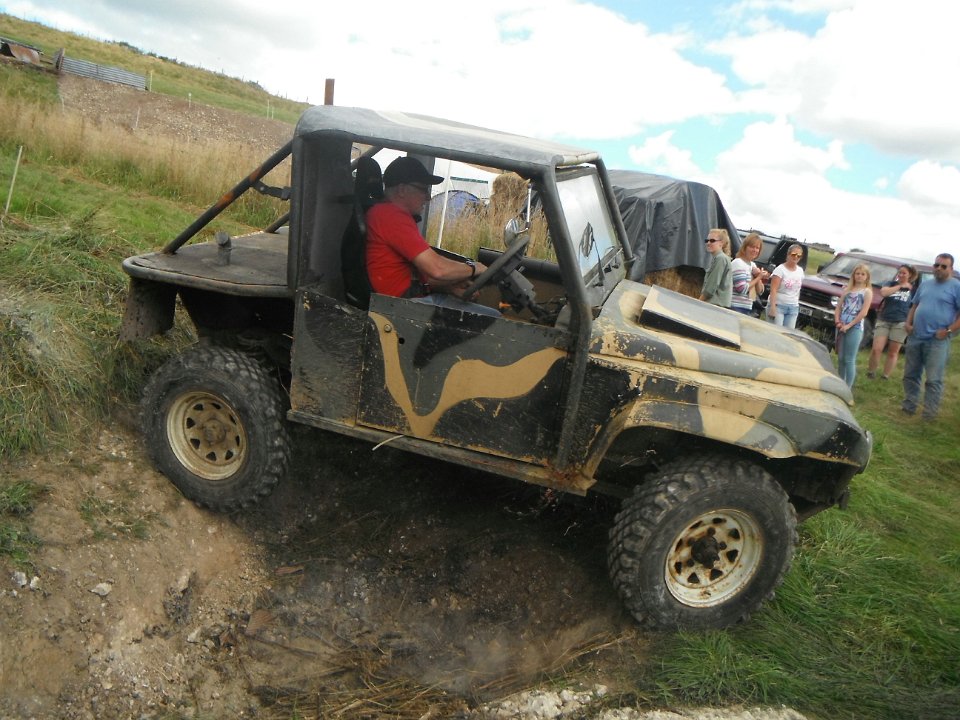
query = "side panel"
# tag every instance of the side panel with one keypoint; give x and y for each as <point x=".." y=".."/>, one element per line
<point x="487" y="384"/>
<point x="328" y="340"/>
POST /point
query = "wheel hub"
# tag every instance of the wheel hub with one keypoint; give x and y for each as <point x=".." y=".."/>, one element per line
<point x="213" y="431"/>
<point x="206" y="435"/>
<point x="713" y="557"/>
<point x="706" y="550"/>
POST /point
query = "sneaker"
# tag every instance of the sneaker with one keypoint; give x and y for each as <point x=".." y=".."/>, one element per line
<point x="884" y="377"/>
<point x="907" y="410"/>
<point x="871" y="374"/>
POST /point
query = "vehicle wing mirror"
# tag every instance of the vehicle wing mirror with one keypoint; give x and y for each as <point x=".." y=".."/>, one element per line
<point x="514" y="228"/>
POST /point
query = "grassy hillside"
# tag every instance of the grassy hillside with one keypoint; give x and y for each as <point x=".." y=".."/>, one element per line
<point x="165" y="75"/>
<point x="867" y="624"/>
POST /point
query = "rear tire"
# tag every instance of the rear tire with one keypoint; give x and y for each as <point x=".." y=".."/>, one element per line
<point x="213" y="422"/>
<point x="702" y="545"/>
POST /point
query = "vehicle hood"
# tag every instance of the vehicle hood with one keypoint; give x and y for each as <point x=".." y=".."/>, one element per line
<point x="825" y="284"/>
<point x="651" y="324"/>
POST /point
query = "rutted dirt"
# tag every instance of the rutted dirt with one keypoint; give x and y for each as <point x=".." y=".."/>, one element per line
<point x="363" y="568"/>
<point x="371" y="583"/>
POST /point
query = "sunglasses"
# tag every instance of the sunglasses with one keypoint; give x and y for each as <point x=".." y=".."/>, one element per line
<point x="796" y="254"/>
<point x="421" y="188"/>
<point x="941" y="266"/>
<point x="711" y="240"/>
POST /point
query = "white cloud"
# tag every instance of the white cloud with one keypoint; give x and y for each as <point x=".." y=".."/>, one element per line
<point x="659" y="155"/>
<point x="773" y="182"/>
<point x="877" y="72"/>
<point x="931" y="185"/>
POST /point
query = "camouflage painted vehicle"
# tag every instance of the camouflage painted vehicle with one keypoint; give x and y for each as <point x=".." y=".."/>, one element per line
<point x="716" y="431"/>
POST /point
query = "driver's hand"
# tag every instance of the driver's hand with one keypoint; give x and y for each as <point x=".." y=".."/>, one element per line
<point x="460" y="287"/>
<point x="480" y="268"/>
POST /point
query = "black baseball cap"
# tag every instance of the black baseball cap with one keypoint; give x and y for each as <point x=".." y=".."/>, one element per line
<point x="407" y="169"/>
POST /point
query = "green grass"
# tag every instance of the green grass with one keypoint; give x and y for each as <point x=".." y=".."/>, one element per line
<point x="816" y="258"/>
<point x="17" y="500"/>
<point x="61" y="300"/>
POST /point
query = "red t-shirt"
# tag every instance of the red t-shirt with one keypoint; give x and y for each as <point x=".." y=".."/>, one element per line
<point x="393" y="241"/>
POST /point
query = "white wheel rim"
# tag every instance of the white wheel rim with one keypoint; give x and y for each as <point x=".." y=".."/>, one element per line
<point x="206" y="435"/>
<point x="713" y="558"/>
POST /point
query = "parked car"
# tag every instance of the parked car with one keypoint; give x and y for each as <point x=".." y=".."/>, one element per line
<point x="820" y="292"/>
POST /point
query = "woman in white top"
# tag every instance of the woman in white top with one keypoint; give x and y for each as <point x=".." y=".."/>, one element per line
<point x="783" y="305"/>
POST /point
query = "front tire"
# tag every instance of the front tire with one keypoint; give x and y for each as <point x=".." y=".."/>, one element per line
<point x="702" y="545"/>
<point x="213" y="421"/>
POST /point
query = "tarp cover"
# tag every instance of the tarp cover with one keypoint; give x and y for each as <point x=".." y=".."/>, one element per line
<point x="667" y="220"/>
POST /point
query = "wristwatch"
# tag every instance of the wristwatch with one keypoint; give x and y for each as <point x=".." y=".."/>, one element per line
<point x="473" y="269"/>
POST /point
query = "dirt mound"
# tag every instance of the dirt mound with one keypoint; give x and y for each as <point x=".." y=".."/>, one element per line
<point x="153" y="114"/>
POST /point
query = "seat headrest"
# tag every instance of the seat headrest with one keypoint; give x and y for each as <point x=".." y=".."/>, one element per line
<point x="369" y="180"/>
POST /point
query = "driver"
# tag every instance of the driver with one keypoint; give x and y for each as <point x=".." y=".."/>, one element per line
<point x="399" y="261"/>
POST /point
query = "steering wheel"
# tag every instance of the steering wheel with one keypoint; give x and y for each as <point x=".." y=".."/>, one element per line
<point x="501" y="267"/>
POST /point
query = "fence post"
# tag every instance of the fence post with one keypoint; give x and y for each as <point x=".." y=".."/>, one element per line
<point x="13" y="180"/>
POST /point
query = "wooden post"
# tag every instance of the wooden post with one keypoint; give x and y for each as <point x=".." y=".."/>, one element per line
<point x="13" y="180"/>
<point x="328" y="92"/>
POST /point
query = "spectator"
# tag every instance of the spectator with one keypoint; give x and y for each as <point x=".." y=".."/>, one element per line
<point x="933" y="319"/>
<point x="852" y="307"/>
<point x="783" y="305"/>
<point x="890" y="332"/>
<point x="747" y="278"/>
<point x="717" y="284"/>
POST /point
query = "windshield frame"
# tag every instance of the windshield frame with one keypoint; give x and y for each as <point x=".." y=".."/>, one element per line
<point x="596" y="245"/>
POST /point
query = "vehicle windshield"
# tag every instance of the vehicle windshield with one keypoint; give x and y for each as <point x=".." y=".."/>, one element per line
<point x="843" y="267"/>
<point x="590" y="226"/>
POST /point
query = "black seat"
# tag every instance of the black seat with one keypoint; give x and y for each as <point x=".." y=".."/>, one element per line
<point x="367" y="191"/>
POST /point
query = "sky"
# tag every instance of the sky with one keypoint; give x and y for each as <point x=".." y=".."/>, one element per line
<point x="831" y="121"/>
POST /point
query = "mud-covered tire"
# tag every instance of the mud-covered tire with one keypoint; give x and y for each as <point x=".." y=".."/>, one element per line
<point x="213" y="423"/>
<point x="703" y="544"/>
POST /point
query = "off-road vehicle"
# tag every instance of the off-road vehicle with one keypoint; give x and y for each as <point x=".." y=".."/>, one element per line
<point x="717" y="431"/>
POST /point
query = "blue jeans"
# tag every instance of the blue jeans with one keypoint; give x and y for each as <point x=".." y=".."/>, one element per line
<point x="848" y="344"/>
<point x="786" y="315"/>
<point x="924" y="356"/>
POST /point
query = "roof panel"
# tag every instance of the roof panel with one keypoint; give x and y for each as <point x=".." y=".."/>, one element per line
<point x="438" y="137"/>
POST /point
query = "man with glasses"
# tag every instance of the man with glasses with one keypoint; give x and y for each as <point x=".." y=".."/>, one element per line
<point x="400" y="263"/>
<point x="933" y="320"/>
